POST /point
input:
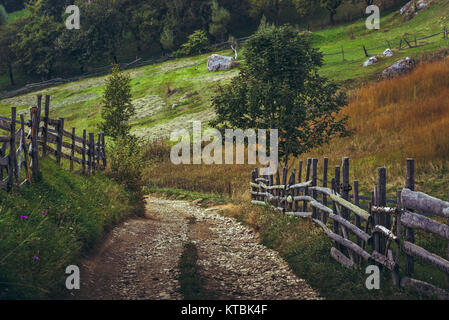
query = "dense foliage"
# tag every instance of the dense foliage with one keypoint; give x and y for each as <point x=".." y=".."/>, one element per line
<point x="279" y="88"/>
<point x="121" y="29"/>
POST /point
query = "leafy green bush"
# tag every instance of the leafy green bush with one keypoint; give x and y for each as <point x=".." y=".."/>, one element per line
<point x="127" y="161"/>
<point x="197" y="43"/>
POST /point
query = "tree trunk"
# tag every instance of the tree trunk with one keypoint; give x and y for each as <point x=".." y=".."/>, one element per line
<point x="11" y="77"/>
<point x="331" y="17"/>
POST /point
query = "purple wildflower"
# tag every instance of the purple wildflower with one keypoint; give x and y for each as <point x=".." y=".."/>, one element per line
<point x="35" y="258"/>
<point x="24" y="217"/>
<point x="44" y="213"/>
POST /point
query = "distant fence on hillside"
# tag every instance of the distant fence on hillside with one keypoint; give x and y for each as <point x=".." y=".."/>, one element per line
<point x="402" y="42"/>
<point x="380" y="234"/>
<point x="20" y="151"/>
<point x="102" y="71"/>
<point x="139" y="62"/>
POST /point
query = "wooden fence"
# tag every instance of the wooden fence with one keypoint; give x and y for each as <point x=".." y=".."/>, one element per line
<point x="21" y="151"/>
<point x="379" y="234"/>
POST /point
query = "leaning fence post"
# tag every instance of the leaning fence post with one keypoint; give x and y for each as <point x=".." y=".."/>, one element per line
<point x="60" y="138"/>
<point x="409" y="232"/>
<point x="366" y="52"/>
<point x="34" y="143"/>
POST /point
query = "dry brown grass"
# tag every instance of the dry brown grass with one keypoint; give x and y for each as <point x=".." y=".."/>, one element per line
<point x="390" y="121"/>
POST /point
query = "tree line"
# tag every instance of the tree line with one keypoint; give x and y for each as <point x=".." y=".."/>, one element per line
<point x="39" y="45"/>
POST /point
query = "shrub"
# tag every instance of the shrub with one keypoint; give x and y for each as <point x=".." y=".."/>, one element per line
<point x="197" y="43"/>
<point x="127" y="161"/>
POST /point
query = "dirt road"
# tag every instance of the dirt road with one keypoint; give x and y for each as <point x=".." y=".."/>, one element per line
<point x="140" y="259"/>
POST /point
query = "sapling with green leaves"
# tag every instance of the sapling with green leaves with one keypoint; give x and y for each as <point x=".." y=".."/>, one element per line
<point x="279" y="88"/>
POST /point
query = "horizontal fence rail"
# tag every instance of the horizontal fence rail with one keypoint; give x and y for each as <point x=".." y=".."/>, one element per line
<point x="27" y="142"/>
<point x="377" y="233"/>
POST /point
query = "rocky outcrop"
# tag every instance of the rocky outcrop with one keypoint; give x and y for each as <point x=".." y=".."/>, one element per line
<point x="401" y="67"/>
<point x="410" y="9"/>
<point x="217" y="63"/>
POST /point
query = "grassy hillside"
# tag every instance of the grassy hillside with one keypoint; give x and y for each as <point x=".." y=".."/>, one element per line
<point x="170" y="95"/>
<point x="46" y="226"/>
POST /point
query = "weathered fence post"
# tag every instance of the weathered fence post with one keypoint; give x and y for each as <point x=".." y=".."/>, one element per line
<point x="314" y="184"/>
<point x="72" y="150"/>
<point x="84" y="152"/>
<point x="357" y="203"/>
<point x="306" y="190"/>
<point x="12" y="150"/>
<point x="284" y="183"/>
<point x="277" y="191"/>
<point x="103" y="148"/>
<point x="345" y="185"/>
<point x="396" y="276"/>
<point x="60" y="138"/>
<point x="98" y="148"/>
<point x="375" y="219"/>
<point x="45" y="130"/>
<point x="291" y="192"/>
<point x="325" y="165"/>
<point x="34" y="143"/>
<point x="382" y="202"/>
<point x="91" y="154"/>
<point x="342" y="53"/>
<point x="253" y="180"/>
<point x="24" y="146"/>
<point x="409" y="232"/>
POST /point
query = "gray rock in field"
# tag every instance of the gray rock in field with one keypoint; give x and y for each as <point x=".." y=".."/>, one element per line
<point x="399" y="68"/>
<point x="370" y="61"/>
<point x="388" y="53"/>
<point x="217" y="63"/>
<point x="409" y="10"/>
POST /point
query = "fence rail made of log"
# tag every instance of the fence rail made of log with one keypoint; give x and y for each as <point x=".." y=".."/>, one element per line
<point x="379" y="235"/>
<point x="42" y="136"/>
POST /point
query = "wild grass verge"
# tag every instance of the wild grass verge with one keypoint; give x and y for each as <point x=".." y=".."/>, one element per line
<point x="47" y="226"/>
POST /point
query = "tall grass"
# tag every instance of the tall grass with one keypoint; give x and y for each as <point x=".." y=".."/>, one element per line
<point x="410" y="112"/>
<point x="46" y="226"/>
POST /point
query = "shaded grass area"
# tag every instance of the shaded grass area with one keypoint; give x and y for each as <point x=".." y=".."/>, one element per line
<point x="46" y="226"/>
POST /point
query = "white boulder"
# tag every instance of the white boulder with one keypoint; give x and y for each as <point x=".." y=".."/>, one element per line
<point x="370" y="61"/>
<point x="388" y="53"/>
<point x="217" y="63"/>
